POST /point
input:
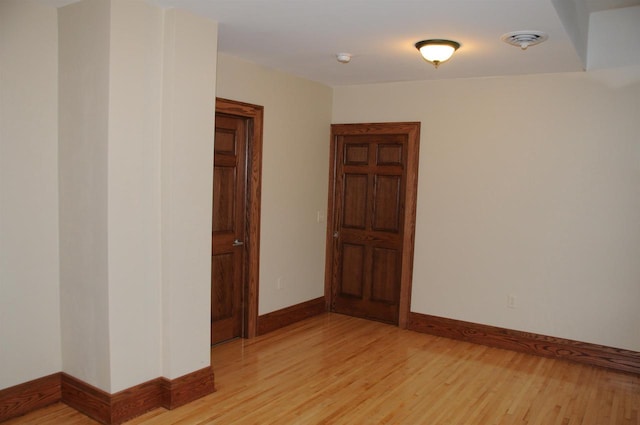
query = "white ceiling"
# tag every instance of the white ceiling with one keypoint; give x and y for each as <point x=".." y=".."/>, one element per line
<point x="598" y="5"/>
<point x="301" y="37"/>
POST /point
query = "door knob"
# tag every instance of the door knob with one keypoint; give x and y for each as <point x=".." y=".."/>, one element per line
<point x="237" y="243"/>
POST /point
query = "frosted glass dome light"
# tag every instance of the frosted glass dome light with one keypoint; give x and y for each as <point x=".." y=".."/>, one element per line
<point x="437" y="51"/>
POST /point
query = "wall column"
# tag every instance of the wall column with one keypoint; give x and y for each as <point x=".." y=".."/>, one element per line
<point x="137" y="103"/>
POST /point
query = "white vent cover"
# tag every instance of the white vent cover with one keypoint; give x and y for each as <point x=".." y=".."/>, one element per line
<point x="524" y="39"/>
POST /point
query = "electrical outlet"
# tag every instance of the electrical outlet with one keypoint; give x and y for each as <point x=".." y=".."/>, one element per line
<point x="279" y="283"/>
<point x="321" y="217"/>
<point x="511" y="301"/>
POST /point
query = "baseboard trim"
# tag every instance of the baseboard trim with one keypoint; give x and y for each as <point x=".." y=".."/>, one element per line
<point x="110" y="409"/>
<point x="580" y="352"/>
<point x="87" y="399"/>
<point x="26" y="397"/>
<point x="187" y="388"/>
<point x="280" y="318"/>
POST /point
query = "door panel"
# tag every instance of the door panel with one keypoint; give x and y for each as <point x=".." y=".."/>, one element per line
<point x="352" y="280"/>
<point x="228" y="224"/>
<point x="356" y="154"/>
<point x="223" y="289"/>
<point x="371" y="252"/>
<point x="355" y="201"/>
<point x="384" y="272"/>
<point x="386" y="208"/>
<point x="224" y="198"/>
<point x="390" y="154"/>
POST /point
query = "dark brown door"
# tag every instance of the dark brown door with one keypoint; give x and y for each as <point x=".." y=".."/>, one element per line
<point x="228" y="249"/>
<point x="369" y="220"/>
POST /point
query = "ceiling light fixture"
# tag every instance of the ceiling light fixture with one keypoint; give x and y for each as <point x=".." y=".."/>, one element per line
<point x="343" y="57"/>
<point x="437" y="51"/>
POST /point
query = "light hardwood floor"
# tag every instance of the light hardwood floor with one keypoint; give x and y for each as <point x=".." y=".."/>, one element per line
<point x="334" y="369"/>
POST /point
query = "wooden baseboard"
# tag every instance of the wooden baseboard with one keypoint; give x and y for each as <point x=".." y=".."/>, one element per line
<point x="24" y="398"/>
<point x="111" y="409"/>
<point x="134" y="401"/>
<point x="187" y="388"/>
<point x="86" y="398"/>
<point x="287" y="316"/>
<point x="117" y="408"/>
<point x="541" y="345"/>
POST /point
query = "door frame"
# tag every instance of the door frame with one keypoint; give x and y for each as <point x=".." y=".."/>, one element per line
<point x="255" y="115"/>
<point x="412" y="131"/>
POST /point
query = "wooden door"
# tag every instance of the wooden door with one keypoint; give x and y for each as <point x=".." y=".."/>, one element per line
<point x="228" y="229"/>
<point x="374" y="172"/>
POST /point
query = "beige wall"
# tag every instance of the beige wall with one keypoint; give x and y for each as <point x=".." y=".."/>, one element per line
<point x="528" y="187"/>
<point x="114" y="156"/>
<point x="133" y="210"/>
<point x="297" y="118"/>
<point x="83" y="148"/>
<point x="29" y="282"/>
<point x="188" y="107"/>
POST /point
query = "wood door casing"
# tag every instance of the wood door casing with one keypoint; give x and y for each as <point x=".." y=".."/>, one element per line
<point x="228" y="228"/>
<point x="372" y="201"/>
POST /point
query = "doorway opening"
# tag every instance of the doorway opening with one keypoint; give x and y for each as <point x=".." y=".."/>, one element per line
<point x="236" y="220"/>
<point x="373" y="181"/>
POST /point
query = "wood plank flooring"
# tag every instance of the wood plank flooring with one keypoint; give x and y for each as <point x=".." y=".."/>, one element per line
<point x="334" y="369"/>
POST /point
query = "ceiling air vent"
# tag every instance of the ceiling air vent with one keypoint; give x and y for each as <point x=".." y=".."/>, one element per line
<point x="524" y="39"/>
